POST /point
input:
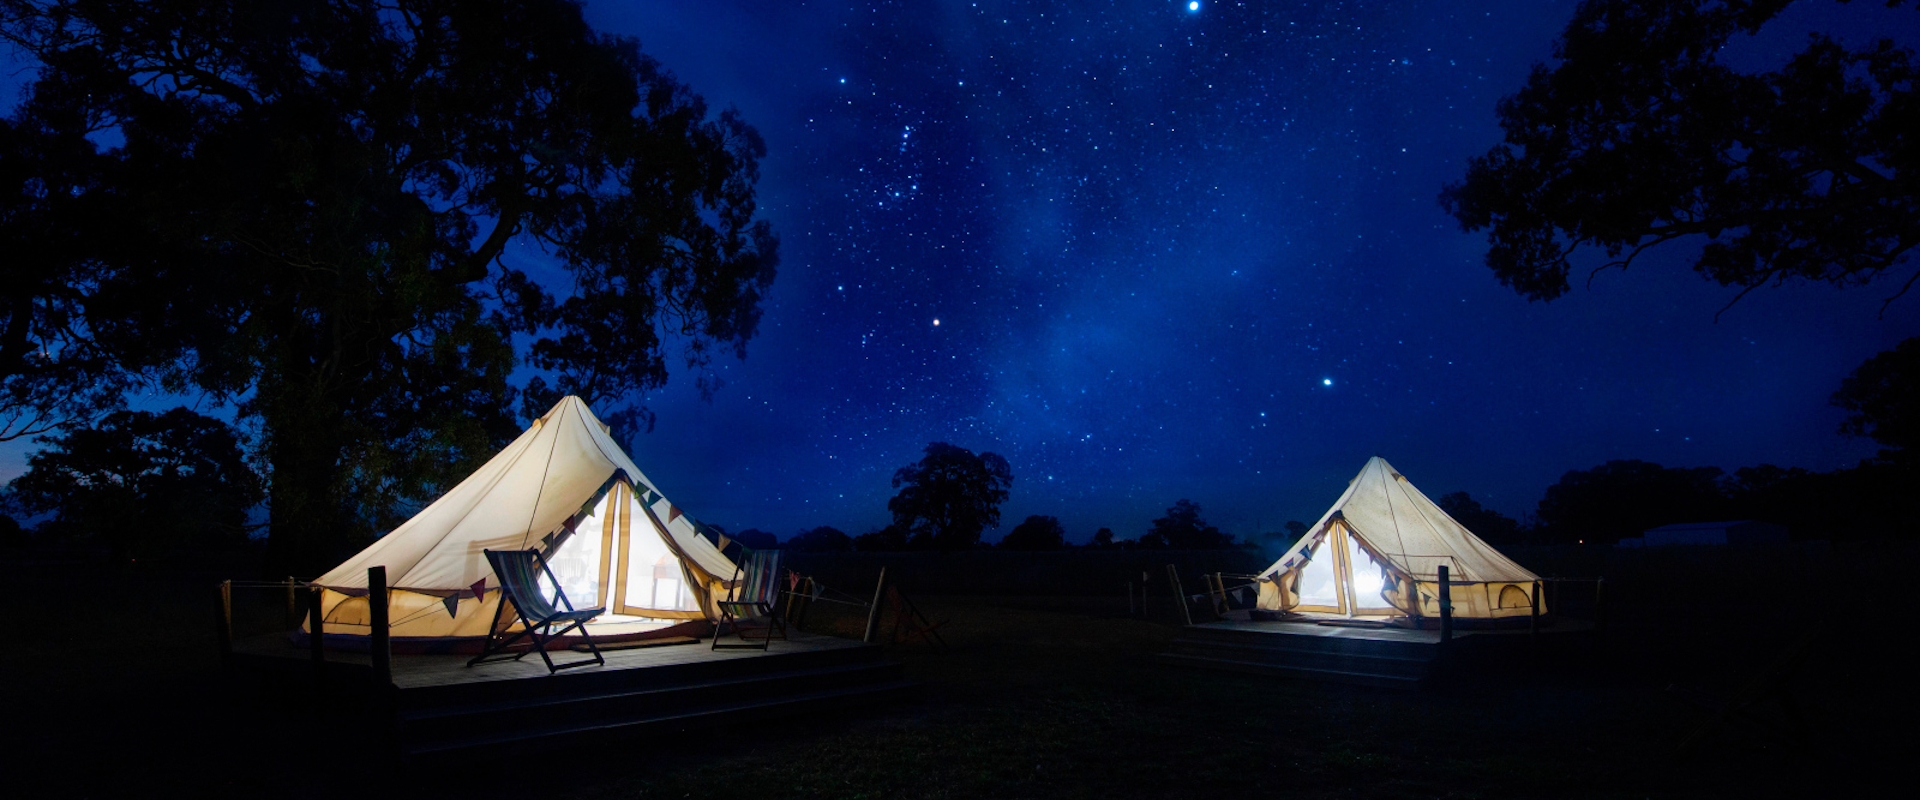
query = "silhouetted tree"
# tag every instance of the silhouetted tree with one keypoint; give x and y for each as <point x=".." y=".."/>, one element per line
<point x="12" y="536"/>
<point x="823" y="539"/>
<point x="1623" y="498"/>
<point x="1102" y="538"/>
<point x="1183" y="529"/>
<point x="1640" y="134"/>
<point x="756" y="539"/>
<point x="1486" y="523"/>
<point x="881" y="540"/>
<point x="1882" y="399"/>
<point x="1869" y="501"/>
<point x="1037" y="533"/>
<point x="950" y="496"/>
<point x="301" y="208"/>
<point x="141" y="483"/>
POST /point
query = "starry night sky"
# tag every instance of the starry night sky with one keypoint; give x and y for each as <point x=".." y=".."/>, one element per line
<point x="1149" y="253"/>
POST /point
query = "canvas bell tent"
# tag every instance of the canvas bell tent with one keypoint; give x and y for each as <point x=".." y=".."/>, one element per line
<point x="1377" y="552"/>
<point x="565" y="488"/>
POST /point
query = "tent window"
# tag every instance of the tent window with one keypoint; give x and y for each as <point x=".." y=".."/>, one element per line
<point x="1317" y="586"/>
<point x="1514" y="597"/>
<point x="654" y="580"/>
<point x="577" y="563"/>
<point x="1370" y="581"/>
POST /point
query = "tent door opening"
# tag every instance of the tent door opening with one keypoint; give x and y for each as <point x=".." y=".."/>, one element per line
<point x="623" y="564"/>
<point x="1341" y="577"/>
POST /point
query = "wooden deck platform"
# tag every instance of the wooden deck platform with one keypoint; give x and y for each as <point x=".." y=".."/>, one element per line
<point x="438" y="704"/>
<point x="1389" y="657"/>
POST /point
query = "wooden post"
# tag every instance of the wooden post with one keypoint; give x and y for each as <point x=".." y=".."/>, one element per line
<point x="873" y="611"/>
<point x="806" y="606"/>
<point x="1179" y="595"/>
<point x="1446" y="606"/>
<point x="317" y="645"/>
<point x="378" y="630"/>
<point x="1599" y="607"/>
<point x="293" y="608"/>
<point x="316" y="632"/>
<point x="225" y="624"/>
<point x="1534" y="623"/>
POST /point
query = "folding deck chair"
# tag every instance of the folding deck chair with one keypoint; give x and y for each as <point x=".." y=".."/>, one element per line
<point x="519" y="572"/>
<point x="755" y="590"/>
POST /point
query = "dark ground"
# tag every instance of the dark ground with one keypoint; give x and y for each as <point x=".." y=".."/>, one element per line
<point x="1051" y="694"/>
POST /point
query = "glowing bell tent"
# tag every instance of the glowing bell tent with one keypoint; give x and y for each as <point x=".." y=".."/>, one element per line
<point x="565" y="487"/>
<point x="1376" y="554"/>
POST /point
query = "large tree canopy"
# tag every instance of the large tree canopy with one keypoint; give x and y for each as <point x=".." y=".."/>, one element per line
<point x="1184" y="529"/>
<point x="303" y="207"/>
<point x="951" y="495"/>
<point x="1623" y="498"/>
<point x="141" y="482"/>
<point x="1641" y="135"/>
<point x="1882" y="399"/>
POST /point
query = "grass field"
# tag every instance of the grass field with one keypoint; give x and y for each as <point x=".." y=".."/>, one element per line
<point x="1041" y="695"/>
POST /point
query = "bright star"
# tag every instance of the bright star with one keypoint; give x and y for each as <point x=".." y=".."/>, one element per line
<point x="1193" y="6"/>
<point x="936" y="323"/>
<point x="1326" y="381"/>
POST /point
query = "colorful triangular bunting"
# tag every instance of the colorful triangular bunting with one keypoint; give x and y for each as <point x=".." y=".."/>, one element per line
<point x="673" y="512"/>
<point x="452" y="602"/>
<point x="479" y="587"/>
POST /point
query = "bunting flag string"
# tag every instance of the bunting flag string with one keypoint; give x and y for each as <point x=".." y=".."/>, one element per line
<point x="673" y="512"/>
<point x="479" y="587"/>
<point x="652" y="497"/>
<point x="452" y="602"/>
<point x="724" y="541"/>
<point x="793" y="580"/>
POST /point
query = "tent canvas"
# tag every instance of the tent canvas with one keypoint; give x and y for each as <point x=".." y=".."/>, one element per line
<point x="564" y="487"/>
<point x="1377" y="552"/>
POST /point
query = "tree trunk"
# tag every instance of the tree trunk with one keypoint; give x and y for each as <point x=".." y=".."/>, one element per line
<point x="306" y="523"/>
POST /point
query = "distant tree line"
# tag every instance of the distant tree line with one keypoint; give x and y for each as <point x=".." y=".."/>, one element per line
<point x="1621" y="499"/>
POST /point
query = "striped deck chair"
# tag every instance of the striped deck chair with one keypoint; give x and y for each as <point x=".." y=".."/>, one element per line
<point x="519" y="572"/>
<point x="748" y="609"/>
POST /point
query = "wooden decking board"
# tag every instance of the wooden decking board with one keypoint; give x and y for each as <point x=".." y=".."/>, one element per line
<point x="411" y="672"/>
<point x="612" y="695"/>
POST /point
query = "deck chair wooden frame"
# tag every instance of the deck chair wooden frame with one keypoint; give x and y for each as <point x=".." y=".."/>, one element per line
<point x="909" y="623"/>
<point x="542" y="621"/>
<point x="748" y="609"/>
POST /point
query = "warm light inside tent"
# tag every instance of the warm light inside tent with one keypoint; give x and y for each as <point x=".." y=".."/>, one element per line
<point x="1318" y="585"/>
<point x="653" y="578"/>
<point x="1369" y="578"/>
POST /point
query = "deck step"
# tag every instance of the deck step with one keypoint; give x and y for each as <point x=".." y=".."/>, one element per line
<point x="1303" y="673"/>
<point x="577" y="683"/>
<point x="711" y="715"/>
<point x="613" y="706"/>
<point x="1388" y="663"/>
